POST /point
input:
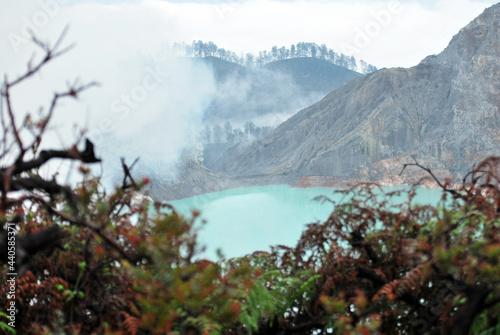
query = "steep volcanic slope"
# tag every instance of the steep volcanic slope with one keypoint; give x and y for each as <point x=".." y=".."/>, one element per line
<point x="446" y="111"/>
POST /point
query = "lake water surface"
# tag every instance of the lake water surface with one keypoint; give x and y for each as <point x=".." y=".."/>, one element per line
<point x="242" y="221"/>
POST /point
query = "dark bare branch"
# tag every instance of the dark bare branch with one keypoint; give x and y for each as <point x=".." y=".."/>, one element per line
<point x="51" y="188"/>
<point x="10" y="112"/>
<point x="127" y="174"/>
<point x="50" y="53"/>
<point x="85" y="156"/>
<point x="133" y="259"/>
<point x="417" y="164"/>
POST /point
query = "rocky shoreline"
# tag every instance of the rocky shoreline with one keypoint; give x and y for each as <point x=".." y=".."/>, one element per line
<point x="340" y="182"/>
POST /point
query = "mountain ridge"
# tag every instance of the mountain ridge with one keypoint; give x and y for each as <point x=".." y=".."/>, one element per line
<point x="200" y="49"/>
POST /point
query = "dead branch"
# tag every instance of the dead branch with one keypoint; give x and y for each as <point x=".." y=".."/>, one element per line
<point x="73" y="91"/>
<point x="50" y="54"/>
<point x="127" y="174"/>
<point x="85" y="156"/>
<point x="428" y="170"/>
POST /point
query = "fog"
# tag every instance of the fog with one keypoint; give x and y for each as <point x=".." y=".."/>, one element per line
<point x="151" y="104"/>
<point x="157" y="117"/>
<point x="264" y="97"/>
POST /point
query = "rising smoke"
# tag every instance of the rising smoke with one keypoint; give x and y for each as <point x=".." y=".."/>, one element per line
<point x="149" y="104"/>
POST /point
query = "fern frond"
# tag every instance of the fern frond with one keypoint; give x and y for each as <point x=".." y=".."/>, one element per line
<point x="412" y="280"/>
<point x="308" y="285"/>
<point x="130" y="324"/>
<point x="388" y="289"/>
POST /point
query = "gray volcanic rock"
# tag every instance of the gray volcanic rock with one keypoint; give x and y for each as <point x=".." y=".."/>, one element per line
<point x="445" y="111"/>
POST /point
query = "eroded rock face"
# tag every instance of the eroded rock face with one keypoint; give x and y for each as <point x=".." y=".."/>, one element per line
<point x="444" y="111"/>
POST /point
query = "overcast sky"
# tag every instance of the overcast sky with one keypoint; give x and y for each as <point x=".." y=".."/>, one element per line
<point x="122" y="44"/>
<point x="386" y="33"/>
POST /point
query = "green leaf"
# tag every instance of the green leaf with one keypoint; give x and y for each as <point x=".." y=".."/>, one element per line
<point x="308" y="285"/>
<point x="8" y="328"/>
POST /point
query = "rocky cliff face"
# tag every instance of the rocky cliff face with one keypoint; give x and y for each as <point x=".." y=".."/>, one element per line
<point x="445" y="111"/>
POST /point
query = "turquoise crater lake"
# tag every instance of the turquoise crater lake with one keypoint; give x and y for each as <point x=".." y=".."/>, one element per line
<point x="242" y="221"/>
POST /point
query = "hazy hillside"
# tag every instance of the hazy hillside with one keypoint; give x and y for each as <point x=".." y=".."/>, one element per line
<point x="446" y="111"/>
<point x="269" y="95"/>
<point x="313" y="74"/>
<point x="224" y="69"/>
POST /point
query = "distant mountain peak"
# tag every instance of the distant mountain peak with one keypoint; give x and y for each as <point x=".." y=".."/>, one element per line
<point x="480" y="37"/>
